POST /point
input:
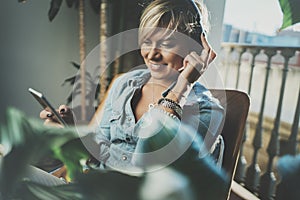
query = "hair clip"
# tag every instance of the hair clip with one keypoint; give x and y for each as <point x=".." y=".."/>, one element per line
<point x="144" y="3"/>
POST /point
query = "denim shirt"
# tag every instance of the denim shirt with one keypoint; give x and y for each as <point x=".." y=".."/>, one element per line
<point x="117" y="131"/>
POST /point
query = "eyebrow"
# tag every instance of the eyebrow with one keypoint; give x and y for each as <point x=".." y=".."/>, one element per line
<point x="164" y="37"/>
<point x="168" y="38"/>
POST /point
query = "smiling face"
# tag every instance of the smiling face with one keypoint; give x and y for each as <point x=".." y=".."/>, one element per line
<point x="163" y="53"/>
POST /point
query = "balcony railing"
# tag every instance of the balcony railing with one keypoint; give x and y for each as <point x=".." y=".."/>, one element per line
<point x="271" y="76"/>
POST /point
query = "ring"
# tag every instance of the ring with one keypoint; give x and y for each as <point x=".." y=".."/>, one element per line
<point x="203" y="68"/>
<point x="204" y="51"/>
<point x="202" y="64"/>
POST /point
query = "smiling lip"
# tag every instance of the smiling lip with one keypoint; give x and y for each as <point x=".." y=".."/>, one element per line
<point x="156" y="66"/>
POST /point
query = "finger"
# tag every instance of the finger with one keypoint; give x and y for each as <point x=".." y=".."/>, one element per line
<point x="205" y="43"/>
<point x="205" y="54"/>
<point x="212" y="56"/>
<point x="45" y="114"/>
<point x="49" y="116"/>
<point x="201" y="60"/>
<point x="186" y="60"/>
<point x="197" y="60"/>
<point x="208" y="56"/>
<point x="210" y="53"/>
<point x="63" y="109"/>
<point x="50" y="122"/>
<point x="193" y="67"/>
<point x="66" y="113"/>
<point x="194" y="60"/>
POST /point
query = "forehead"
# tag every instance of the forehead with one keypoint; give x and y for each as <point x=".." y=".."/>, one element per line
<point x="163" y="34"/>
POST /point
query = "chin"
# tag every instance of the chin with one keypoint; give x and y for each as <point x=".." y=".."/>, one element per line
<point x="164" y="77"/>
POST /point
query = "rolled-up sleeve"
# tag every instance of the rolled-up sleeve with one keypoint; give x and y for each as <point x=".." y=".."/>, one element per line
<point x="206" y="114"/>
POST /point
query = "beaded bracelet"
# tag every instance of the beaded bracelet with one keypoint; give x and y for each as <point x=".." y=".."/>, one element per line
<point x="168" y="114"/>
<point x="169" y="103"/>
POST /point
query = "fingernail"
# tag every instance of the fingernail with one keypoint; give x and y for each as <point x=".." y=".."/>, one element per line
<point x="180" y="69"/>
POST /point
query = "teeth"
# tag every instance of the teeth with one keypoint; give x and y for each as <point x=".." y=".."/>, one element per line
<point x="157" y="66"/>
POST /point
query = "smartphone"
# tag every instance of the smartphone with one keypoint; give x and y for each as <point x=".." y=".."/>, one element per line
<point x="45" y="104"/>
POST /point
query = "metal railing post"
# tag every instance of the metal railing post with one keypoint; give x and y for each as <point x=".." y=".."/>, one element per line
<point x="268" y="180"/>
<point x="253" y="171"/>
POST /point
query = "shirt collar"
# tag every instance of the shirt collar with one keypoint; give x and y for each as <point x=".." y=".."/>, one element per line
<point x="140" y="79"/>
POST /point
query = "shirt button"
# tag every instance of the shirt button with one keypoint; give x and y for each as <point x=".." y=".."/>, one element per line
<point x="127" y="138"/>
<point x="124" y="157"/>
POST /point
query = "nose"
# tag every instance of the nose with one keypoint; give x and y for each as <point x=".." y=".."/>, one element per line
<point x="154" y="53"/>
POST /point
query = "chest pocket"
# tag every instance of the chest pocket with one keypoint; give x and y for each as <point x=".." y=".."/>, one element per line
<point x="115" y="128"/>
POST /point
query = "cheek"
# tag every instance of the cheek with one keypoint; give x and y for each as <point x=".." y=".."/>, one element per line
<point x="177" y="60"/>
<point x="177" y="53"/>
<point x="143" y="52"/>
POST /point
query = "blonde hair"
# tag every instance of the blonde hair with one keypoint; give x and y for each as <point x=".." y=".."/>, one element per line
<point x="184" y="16"/>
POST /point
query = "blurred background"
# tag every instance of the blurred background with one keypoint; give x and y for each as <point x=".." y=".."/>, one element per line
<point x="40" y="42"/>
<point x="36" y="52"/>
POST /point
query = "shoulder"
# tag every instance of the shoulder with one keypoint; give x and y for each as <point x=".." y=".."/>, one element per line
<point x="199" y="88"/>
<point x="203" y="94"/>
<point x="201" y="91"/>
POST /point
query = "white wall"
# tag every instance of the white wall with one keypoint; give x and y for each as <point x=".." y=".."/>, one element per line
<point x="37" y="53"/>
<point x="216" y="9"/>
<point x="213" y="77"/>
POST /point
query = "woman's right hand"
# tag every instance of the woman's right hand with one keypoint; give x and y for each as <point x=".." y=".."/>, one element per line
<point x="196" y="63"/>
<point x="64" y="111"/>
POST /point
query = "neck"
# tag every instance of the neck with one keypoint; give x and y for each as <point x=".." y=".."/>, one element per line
<point x="163" y="83"/>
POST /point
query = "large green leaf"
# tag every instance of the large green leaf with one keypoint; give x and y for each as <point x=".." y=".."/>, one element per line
<point x="54" y="8"/>
<point x="291" y="12"/>
<point x="28" y="140"/>
<point x="94" y="185"/>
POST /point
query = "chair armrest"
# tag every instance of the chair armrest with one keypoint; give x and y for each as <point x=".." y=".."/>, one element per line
<point x="238" y="192"/>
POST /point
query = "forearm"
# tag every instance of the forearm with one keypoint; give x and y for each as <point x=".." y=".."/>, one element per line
<point x="174" y="98"/>
<point x="180" y="91"/>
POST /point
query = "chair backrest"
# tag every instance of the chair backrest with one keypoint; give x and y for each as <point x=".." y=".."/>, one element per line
<point x="236" y="104"/>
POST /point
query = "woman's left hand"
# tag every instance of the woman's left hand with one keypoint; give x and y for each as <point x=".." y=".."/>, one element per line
<point x="194" y="64"/>
<point x="50" y="119"/>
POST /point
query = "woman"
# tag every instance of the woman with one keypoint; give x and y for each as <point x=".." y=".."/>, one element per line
<point x="168" y="87"/>
<point x="164" y="99"/>
<point x="153" y="118"/>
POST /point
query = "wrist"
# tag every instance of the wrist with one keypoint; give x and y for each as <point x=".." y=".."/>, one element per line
<point x="180" y="91"/>
<point x="170" y="106"/>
